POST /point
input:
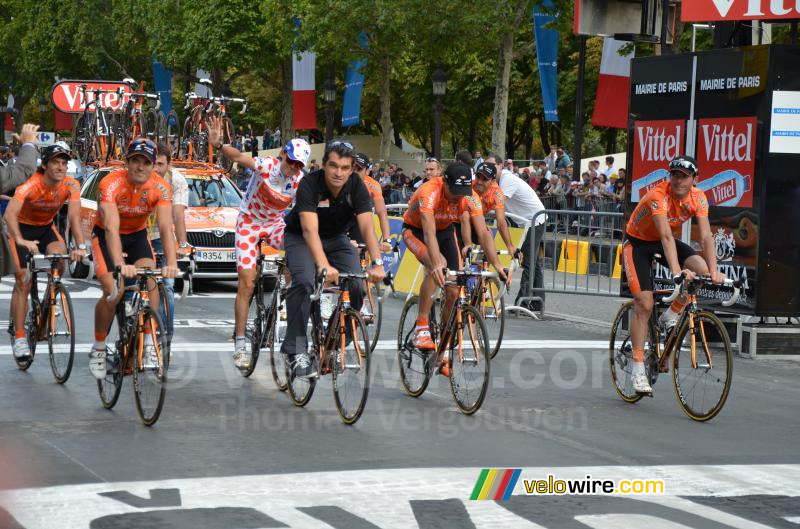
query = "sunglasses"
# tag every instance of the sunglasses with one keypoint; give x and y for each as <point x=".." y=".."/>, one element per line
<point x="295" y="163"/>
<point x="429" y="160"/>
<point x="482" y="177"/>
<point x="339" y="142"/>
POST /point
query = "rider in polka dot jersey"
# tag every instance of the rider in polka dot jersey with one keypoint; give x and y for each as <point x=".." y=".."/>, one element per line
<point x="269" y="192"/>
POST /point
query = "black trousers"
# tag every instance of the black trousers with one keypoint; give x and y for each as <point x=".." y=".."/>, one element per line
<point x="341" y="255"/>
<point x="538" y="276"/>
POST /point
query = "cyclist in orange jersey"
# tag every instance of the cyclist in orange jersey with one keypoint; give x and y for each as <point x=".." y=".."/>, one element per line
<point x="360" y="167"/>
<point x="429" y="233"/>
<point x="30" y="218"/>
<point x="492" y="200"/>
<point x="126" y="198"/>
<point x="649" y="232"/>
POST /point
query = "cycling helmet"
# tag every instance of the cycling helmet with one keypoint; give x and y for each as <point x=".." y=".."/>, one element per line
<point x="142" y="147"/>
<point x="362" y="160"/>
<point x="298" y="150"/>
<point x="51" y="151"/>
<point x="685" y="164"/>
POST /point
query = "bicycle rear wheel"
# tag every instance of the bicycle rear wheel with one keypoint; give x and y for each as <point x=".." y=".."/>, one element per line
<point x="414" y="364"/>
<point x="620" y="353"/>
<point x="172" y="134"/>
<point x="150" y="367"/>
<point x="492" y="310"/>
<point x="350" y="369"/>
<point x="61" y="335"/>
<point x="227" y="137"/>
<point x="185" y="151"/>
<point x="30" y="333"/>
<point x="150" y="125"/>
<point x="110" y="386"/>
<point x="300" y="389"/>
<point x="702" y="386"/>
<point x="469" y="368"/>
<point x="372" y="313"/>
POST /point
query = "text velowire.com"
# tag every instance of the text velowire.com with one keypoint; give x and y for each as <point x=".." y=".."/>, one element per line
<point x="592" y="486"/>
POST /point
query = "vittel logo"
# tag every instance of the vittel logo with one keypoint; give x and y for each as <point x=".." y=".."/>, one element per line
<point x="757" y="8"/>
<point x="725" y="144"/>
<point x="659" y="144"/>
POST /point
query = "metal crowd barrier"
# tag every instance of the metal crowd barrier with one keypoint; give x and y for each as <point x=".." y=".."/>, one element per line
<point x="580" y="251"/>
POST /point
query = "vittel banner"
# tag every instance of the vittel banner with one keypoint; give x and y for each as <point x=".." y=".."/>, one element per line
<point x="68" y="96"/>
<point x="726" y="158"/>
<point x="655" y="144"/>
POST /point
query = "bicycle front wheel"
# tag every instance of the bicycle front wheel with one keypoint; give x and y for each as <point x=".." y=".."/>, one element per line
<point x="493" y="312"/>
<point x="151" y="363"/>
<point x="254" y="331"/>
<point x="60" y="334"/>
<point x="702" y="366"/>
<point x="276" y="329"/>
<point x="469" y="362"/>
<point x="350" y="368"/>
<point x="172" y="134"/>
<point x="372" y="313"/>
<point x="415" y="366"/>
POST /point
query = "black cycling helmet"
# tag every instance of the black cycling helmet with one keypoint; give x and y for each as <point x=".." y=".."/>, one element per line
<point x="51" y="151"/>
<point x="685" y="164"/>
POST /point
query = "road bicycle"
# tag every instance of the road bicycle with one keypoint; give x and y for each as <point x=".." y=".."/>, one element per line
<point x="372" y="309"/>
<point x="487" y="295"/>
<point x="265" y="321"/>
<point x="139" y="347"/>
<point x="467" y="367"/>
<point x="92" y="135"/>
<point x="339" y="349"/>
<point x="702" y="358"/>
<point x="50" y="318"/>
<point x="138" y="121"/>
<point x="194" y="144"/>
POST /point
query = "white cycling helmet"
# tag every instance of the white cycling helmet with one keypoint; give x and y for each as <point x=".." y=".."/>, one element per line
<point x="298" y="150"/>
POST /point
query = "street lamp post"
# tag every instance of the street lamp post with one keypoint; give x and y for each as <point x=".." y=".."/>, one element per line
<point x="439" y="79"/>
<point x="330" y="97"/>
<point x="42" y="110"/>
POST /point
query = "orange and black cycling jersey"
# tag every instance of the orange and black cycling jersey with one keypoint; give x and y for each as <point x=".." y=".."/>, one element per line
<point x="659" y="201"/>
<point x="492" y="199"/>
<point x="429" y="198"/>
<point x="134" y="203"/>
<point x="41" y="202"/>
<point x="373" y="188"/>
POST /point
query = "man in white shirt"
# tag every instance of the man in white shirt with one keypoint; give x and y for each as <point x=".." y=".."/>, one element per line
<point x="522" y="201"/>
<point x="610" y="169"/>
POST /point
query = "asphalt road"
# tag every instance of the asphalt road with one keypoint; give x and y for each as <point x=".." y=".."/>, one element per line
<point x="229" y="452"/>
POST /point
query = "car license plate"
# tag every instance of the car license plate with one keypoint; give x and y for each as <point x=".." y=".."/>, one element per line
<point x="215" y="255"/>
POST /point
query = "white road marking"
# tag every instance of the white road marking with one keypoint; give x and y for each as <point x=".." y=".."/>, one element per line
<point x="382" y="497"/>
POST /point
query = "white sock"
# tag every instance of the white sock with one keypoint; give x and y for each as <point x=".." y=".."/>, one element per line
<point x="638" y="368"/>
<point x="669" y="314"/>
<point x="100" y="345"/>
<point x="239" y="343"/>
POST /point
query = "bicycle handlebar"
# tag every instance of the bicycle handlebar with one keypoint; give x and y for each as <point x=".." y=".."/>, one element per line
<point x="680" y="286"/>
<point x="456" y="273"/>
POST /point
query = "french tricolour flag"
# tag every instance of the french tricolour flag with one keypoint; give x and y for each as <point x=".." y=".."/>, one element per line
<point x="305" y="99"/>
<point x="613" y="87"/>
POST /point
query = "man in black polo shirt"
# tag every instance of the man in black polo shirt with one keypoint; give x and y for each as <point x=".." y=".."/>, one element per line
<point x="316" y="239"/>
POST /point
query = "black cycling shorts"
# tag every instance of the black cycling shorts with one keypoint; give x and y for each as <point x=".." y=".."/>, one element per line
<point x="446" y="238"/>
<point x="637" y="256"/>
<point x="135" y="245"/>
<point x="44" y="235"/>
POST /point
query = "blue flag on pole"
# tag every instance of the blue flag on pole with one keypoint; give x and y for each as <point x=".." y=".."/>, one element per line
<point x="353" y="85"/>
<point x="547" y="53"/>
<point x="163" y="81"/>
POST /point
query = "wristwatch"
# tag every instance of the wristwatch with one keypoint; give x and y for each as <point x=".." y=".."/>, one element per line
<point x="81" y="246"/>
<point x="376" y="262"/>
<point x="183" y="245"/>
